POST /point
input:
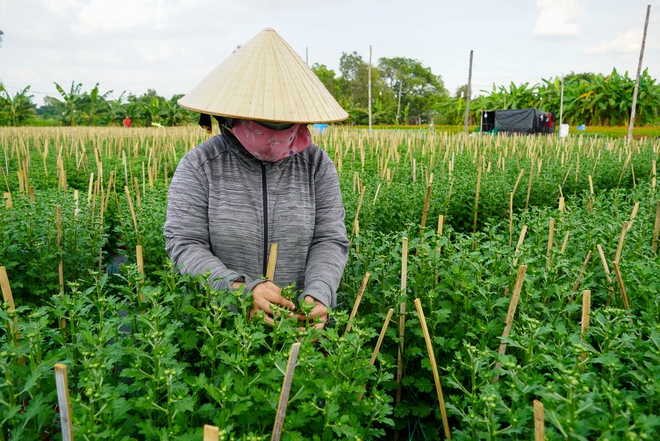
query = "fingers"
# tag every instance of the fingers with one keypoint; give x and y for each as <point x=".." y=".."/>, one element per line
<point x="272" y="294"/>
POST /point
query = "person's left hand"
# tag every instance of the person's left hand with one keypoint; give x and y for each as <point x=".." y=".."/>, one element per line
<point x="318" y="314"/>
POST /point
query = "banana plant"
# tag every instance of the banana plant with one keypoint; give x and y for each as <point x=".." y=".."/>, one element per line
<point x="71" y="101"/>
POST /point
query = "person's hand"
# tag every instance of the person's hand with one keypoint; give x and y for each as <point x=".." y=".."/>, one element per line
<point x="318" y="314"/>
<point x="263" y="296"/>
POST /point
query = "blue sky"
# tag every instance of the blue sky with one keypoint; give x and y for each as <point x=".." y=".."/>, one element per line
<point x="169" y="45"/>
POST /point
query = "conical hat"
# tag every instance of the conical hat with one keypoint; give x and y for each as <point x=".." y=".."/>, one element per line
<point x="265" y="80"/>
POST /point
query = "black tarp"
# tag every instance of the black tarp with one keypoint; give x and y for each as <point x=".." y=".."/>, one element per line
<point x="529" y="121"/>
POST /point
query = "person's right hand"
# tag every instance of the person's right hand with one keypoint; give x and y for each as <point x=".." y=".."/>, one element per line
<point x="265" y="294"/>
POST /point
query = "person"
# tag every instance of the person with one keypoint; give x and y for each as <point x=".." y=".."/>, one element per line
<point x="127" y="122"/>
<point x="261" y="181"/>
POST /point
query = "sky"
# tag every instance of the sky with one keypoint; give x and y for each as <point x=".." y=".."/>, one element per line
<point x="170" y="45"/>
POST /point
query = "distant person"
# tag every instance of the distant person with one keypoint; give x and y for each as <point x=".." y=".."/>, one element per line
<point x="431" y="126"/>
<point x="127" y="122"/>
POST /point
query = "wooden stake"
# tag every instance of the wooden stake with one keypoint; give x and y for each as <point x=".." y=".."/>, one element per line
<point x="7" y="296"/>
<point x="426" y="209"/>
<point x="622" y="288"/>
<point x="434" y="367"/>
<point x="622" y="237"/>
<point x="520" y="242"/>
<point x="586" y="309"/>
<point x="284" y="394"/>
<point x="476" y="202"/>
<point x="656" y="229"/>
<point x="8" y="201"/>
<point x="357" y="211"/>
<point x="402" y="316"/>
<point x="539" y="421"/>
<point x="211" y="433"/>
<point x="529" y="186"/>
<point x="604" y="262"/>
<point x="59" y="247"/>
<point x="513" y="304"/>
<point x="584" y="266"/>
<point x="272" y="261"/>
<point x="358" y="299"/>
<point x="381" y="337"/>
<point x="130" y="205"/>
<point x="563" y="245"/>
<point x="551" y="239"/>
<point x="62" y="384"/>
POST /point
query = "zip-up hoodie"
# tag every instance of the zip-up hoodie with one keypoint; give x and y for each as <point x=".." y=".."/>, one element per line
<point x="226" y="207"/>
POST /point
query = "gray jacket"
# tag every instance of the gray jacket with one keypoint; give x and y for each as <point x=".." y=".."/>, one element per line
<point x="226" y="207"/>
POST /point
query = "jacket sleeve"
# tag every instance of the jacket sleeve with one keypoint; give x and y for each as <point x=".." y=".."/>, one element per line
<point x="186" y="230"/>
<point x="328" y="253"/>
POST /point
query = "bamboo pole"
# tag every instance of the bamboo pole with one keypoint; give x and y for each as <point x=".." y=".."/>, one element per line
<point x="357" y="211"/>
<point x="402" y="316"/>
<point x="381" y="337"/>
<point x="551" y="238"/>
<point x="576" y="285"/>
<point x="520" y="242"/>
<point x="529" y="185"/>
<point x="8" y="201"/>
<point x="563" y="245"/>
<point x="284" y="394"/>
<point x="62" y="384"/>
<point x="513" y="304"/>
<point x="622" y="237"/>
<point x="358" y="299"/>
<point x="434" y="367"/>
<point x="476" y="202"/>
<point x="586" y="309"/>
<point x="639" y="71"/>
<point x="619" y="281"/>
<point x="656" y="229"/>
<point x="8" y="297"/>
<point x="211" y="433"/>
<point x="539" y="421"/>
<point x="130" y="205"/>
<point x="426" y="209"/>
<point x="272" y="261"/>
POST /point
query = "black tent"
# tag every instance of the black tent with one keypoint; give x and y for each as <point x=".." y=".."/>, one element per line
<point x="530" y="121"/>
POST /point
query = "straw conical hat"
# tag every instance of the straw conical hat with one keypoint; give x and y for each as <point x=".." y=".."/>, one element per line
<point x="264" y="80"/>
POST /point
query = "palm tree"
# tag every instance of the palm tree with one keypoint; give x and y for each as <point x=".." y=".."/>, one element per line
<point x="19" y="108"/>
<point x="71" y="101"/>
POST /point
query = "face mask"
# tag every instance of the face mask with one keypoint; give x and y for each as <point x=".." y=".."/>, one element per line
<point x="267" y="144"/>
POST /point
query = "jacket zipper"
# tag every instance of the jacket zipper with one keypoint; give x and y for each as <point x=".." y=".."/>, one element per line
<point x="264" y="190"/>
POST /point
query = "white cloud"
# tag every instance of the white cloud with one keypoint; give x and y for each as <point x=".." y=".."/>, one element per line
<point x="112" y="15"/>
<point x="61" y="7"/>
<point x="555" y="18"/>
<point x="151" y="50"/>
<point x="628" y="43"/>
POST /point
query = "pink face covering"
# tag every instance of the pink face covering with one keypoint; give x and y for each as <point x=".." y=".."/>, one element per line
<point x="268" y="144"/>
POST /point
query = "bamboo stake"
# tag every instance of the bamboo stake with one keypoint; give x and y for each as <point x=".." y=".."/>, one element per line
<point x="139" y="259"/>
<point x="563" y="245"/>
<point x="656" y="229"/>
<point x="402" y="316"/>
<point x="513" y="304"/>
<point x="520" y="242"/>
<point x="586" y="309"/>
<point x="654" y="173"/>
<point x="633" y="215"/>
<point x="539" y="421"/>
<point x="8" y="201"/>
<point x="8" y="297"/>
<point x="604" y="262"/>
<point x="357" y="211"/>
<point x="376" y="195"/>
<point x="622" y="288"/>
<point x="272" y="261"/>
<point x="59" y="248"/>
<point x="284" y="394"/>
<point x="358" y="299"/>
<point x="622" y="237"/>
<point x="551" y="238"/>
<point x="584" y="266"/>
<point x="434" y="367"/>
<point x="529" y="185"/>
<point x="476" y="202"/>
<point x="130" y="205"/>
<point x="62" y="384"/>
<point x="211" y="433"/>
<point x="381" y="337"/>
<point x="426" y="209"/>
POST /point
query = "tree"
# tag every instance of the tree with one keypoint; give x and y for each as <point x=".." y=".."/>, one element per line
<point x="93" y="103"/>
<point x="327" y="77"/>
<point x="70" y="103"/>
<point x="413" y="83"/>
<point x="16" y="110"/>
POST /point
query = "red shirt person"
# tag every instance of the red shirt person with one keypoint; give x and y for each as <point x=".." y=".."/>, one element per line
<point x="127" y="122"/>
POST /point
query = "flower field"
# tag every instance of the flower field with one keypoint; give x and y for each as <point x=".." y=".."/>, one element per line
<point x="503" y="287"/>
